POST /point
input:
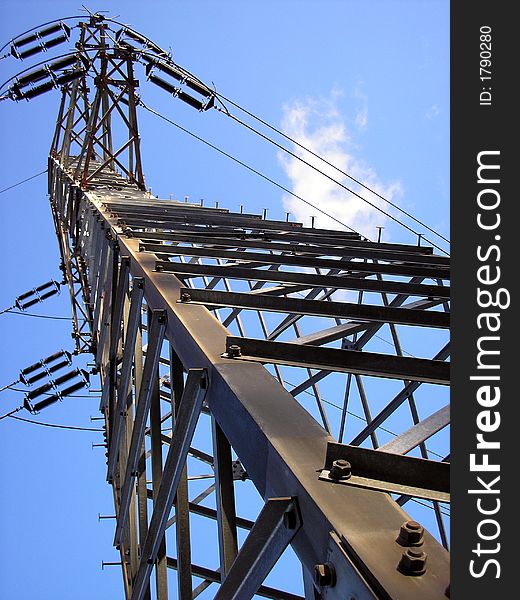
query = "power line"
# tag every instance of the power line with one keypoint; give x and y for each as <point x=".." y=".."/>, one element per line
<point x="387" y="214"/>
<point x="243" y="164"/>
<point x="23" y="181"/>
<point x="24" y="314"/>
<point x="296" y="143"/>
<point x="54" y="425"/>
<point x="10" y="413"/>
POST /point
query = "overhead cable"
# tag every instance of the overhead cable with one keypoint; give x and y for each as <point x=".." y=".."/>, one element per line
<point x="23" y="181"/>
<point x="243" y="164"/>
<point x="296" y="143"/>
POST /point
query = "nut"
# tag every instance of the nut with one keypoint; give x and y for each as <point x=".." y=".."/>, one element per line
<point x="185" y="297"/>
<point x="413" y="562"/>
<point x="341" y="469"/>
<point x="411" y="534"/>
<point x="234" y="351"/>
<point x="324" y="575"/>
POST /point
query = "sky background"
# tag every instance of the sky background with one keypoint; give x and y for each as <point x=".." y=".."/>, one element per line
<point x="364" y="84"/>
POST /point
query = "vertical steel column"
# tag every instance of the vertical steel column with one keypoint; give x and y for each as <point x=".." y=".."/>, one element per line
<point x="142" y="491"/>
<point x="161" y="575"/>
<point x="225" y="500"/>
<point x="191" y="404"/>
<point x="181" y="502"/>
<point x="132" y="330"/>
<point x="155" y="338"/>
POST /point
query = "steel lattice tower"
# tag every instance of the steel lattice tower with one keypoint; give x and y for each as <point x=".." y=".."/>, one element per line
<point x="204" y="319"/>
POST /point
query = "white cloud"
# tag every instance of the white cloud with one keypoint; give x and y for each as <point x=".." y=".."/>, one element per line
<point x="318" y="125"/>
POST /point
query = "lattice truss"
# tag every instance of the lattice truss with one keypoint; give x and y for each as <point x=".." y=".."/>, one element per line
<point x="265" y="386"/>
<point x="305" y="303"/>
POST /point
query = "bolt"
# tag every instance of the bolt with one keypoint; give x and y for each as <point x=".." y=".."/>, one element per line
<point x="234" y="351"/>
<point x="324" y="575"/>
<point x="413" y="562"/>
<point x="341" y="469"/>
<point x="411" y="534"/>
<point x="185" y="297"/>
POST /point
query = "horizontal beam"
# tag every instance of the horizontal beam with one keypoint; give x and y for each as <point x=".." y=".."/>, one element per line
<point x="346" y="310"/>
<point x="309" y="279"/>
<point x="250" y="222"/>
<point x="290" y="236"/>
<point x="375" y="469"/>
<point x="359" y="250"/>
<point x="397" y="268"/>
<point x="343" y="361"/>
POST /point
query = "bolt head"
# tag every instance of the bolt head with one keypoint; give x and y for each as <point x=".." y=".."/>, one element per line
<point x="234" y="351"/>
<point x="341" y="469"/>
<point x="411" y="534"/>
<point x="413" y="562"/>
<point x="324" y="575"/>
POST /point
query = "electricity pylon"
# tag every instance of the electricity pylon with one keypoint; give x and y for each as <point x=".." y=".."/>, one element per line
<point x="201" y="319"/>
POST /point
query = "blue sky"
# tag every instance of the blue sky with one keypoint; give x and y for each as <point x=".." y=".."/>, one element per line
<point x="363" y="83"/>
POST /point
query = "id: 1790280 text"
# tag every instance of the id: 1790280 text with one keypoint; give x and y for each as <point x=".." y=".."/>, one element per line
<point x="485" y="66"/>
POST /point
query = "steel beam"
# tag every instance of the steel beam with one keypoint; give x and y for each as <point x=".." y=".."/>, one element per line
<point x="343" y="361"/>
<point x="156" y="335"/>
<point x="378" y="470"/>
<point x="401" y="397"/>
<point x="225" y="500"/>
<point x="134" y="319"/>
<point x="253" y="410"/>
<point x="214" y="577"/>
<point x="361" y="250"/>
<point x="308" y="279"/>
<point x="275" y="527"/>
<point x="419" y="433"/>
<point x="368" y="312"/>
<point x="191" y="403"/>
<point x="181" y="502"/>
<point x="404" y="269"/>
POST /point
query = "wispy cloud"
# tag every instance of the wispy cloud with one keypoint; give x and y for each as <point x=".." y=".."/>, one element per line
<point x="361" y="117"/>
<point x="317" y="124"/>
<point x="433" y="112"/>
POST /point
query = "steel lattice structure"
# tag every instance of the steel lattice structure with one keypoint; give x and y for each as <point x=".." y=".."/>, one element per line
<point x="202" y="319"/>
